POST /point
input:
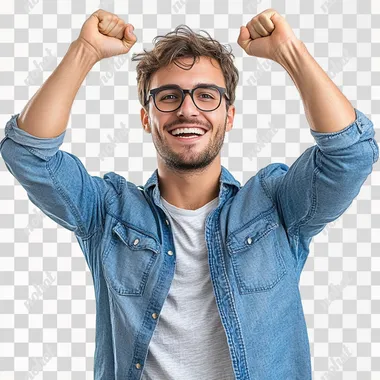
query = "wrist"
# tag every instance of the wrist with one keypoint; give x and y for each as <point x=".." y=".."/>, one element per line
<point x="84" y="49"/>
<point x="289" y="52"/>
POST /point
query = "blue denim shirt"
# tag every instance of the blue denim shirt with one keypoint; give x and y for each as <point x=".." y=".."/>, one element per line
<point x="257" y="240"/>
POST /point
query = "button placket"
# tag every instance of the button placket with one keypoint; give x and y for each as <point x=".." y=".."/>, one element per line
<point x="170" y="253"/>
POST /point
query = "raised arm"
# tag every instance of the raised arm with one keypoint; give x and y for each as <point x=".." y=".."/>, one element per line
<point x="56" y="181"/>
<point x="322" y="183"/>
<point x="103" y="35"/>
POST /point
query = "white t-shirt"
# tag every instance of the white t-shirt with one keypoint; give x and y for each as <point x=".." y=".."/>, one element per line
<point x="189" y="341"/>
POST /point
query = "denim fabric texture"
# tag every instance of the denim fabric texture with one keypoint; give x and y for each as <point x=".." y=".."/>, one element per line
<point x="257" y="239"/>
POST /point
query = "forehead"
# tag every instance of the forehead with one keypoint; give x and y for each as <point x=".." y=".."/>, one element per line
<point x="204" y="70"/>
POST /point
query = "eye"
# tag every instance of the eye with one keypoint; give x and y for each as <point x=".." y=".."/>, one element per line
<point x="206" y="96"/>
<point x="167" y="97"/>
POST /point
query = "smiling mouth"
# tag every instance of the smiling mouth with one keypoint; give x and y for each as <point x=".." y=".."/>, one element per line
<point x="187" y="137"/>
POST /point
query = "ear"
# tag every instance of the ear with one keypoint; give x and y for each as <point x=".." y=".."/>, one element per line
<point x="230" y="117"/>
<point x="145" y="120"/>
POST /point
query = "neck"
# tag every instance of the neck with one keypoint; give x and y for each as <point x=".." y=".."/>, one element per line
<point x="189" y="190"/>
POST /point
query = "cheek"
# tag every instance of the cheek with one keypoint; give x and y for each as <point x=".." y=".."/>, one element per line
<point x="158" y="131"/>
<point x="158" y="123"/>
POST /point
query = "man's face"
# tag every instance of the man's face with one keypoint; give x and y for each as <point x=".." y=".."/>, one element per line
<point x="182" y="154"/>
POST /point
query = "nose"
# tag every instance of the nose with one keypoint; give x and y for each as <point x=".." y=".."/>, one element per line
<point x="188" y="108"/>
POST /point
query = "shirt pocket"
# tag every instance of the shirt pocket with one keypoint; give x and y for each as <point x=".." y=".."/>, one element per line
<point x="128" y="261"/>
<point x="256" y="259"/>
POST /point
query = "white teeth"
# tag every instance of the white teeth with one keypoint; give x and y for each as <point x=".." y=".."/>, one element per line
<point x="198" y="131"/>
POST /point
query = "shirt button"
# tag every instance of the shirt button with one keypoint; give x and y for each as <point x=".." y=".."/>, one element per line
<point x="136" y="242"/>
<point x="170" y="253"/>
<point x="154" y="315"/>
<point x="249" y="240"/>
<point x="167" y="222"/>
<point x="138" y="365"/>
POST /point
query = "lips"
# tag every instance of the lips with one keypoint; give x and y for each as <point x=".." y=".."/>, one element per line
<point x="187" y="126"/>
<point x="187" y="139"/>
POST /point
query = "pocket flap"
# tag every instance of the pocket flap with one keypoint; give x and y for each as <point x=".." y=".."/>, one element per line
<point x="135" y="239"/>
<point x="250" y="234"/>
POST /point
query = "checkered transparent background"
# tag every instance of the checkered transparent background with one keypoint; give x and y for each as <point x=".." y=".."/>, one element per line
<point x="270" y="126"/>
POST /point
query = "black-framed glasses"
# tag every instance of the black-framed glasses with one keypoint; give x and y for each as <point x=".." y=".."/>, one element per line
<point x="169" y="98"/>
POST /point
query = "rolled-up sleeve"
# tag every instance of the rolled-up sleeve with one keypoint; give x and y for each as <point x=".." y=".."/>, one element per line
<point x="361" y="129"/>
<point x="322" y="183"/>
<point x="44" y="148"/>
<point x="55" y="181"/>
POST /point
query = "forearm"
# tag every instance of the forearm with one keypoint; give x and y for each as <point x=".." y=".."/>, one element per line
<point x="326" y="108"/>
<point x="47" y="113"/>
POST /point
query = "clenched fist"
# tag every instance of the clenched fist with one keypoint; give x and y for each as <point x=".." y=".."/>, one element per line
<point x="107" y="35"/>
<point x="264" y="34"/>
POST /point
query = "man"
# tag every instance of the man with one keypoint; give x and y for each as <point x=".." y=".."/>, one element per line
<point x="196" y="276"/>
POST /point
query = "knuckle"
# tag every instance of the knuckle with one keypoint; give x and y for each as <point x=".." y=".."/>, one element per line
<point x="261" y="17"/>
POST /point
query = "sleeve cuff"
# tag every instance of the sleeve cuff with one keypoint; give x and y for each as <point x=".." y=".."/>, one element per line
<point x="43" y="147"/>
<point x="360" y="129"/>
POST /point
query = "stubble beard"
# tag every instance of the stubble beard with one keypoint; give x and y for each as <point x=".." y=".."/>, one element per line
<point x="190" y="160"/>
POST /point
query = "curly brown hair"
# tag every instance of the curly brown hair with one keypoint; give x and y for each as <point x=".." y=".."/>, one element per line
<point x="184" y="42"/>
